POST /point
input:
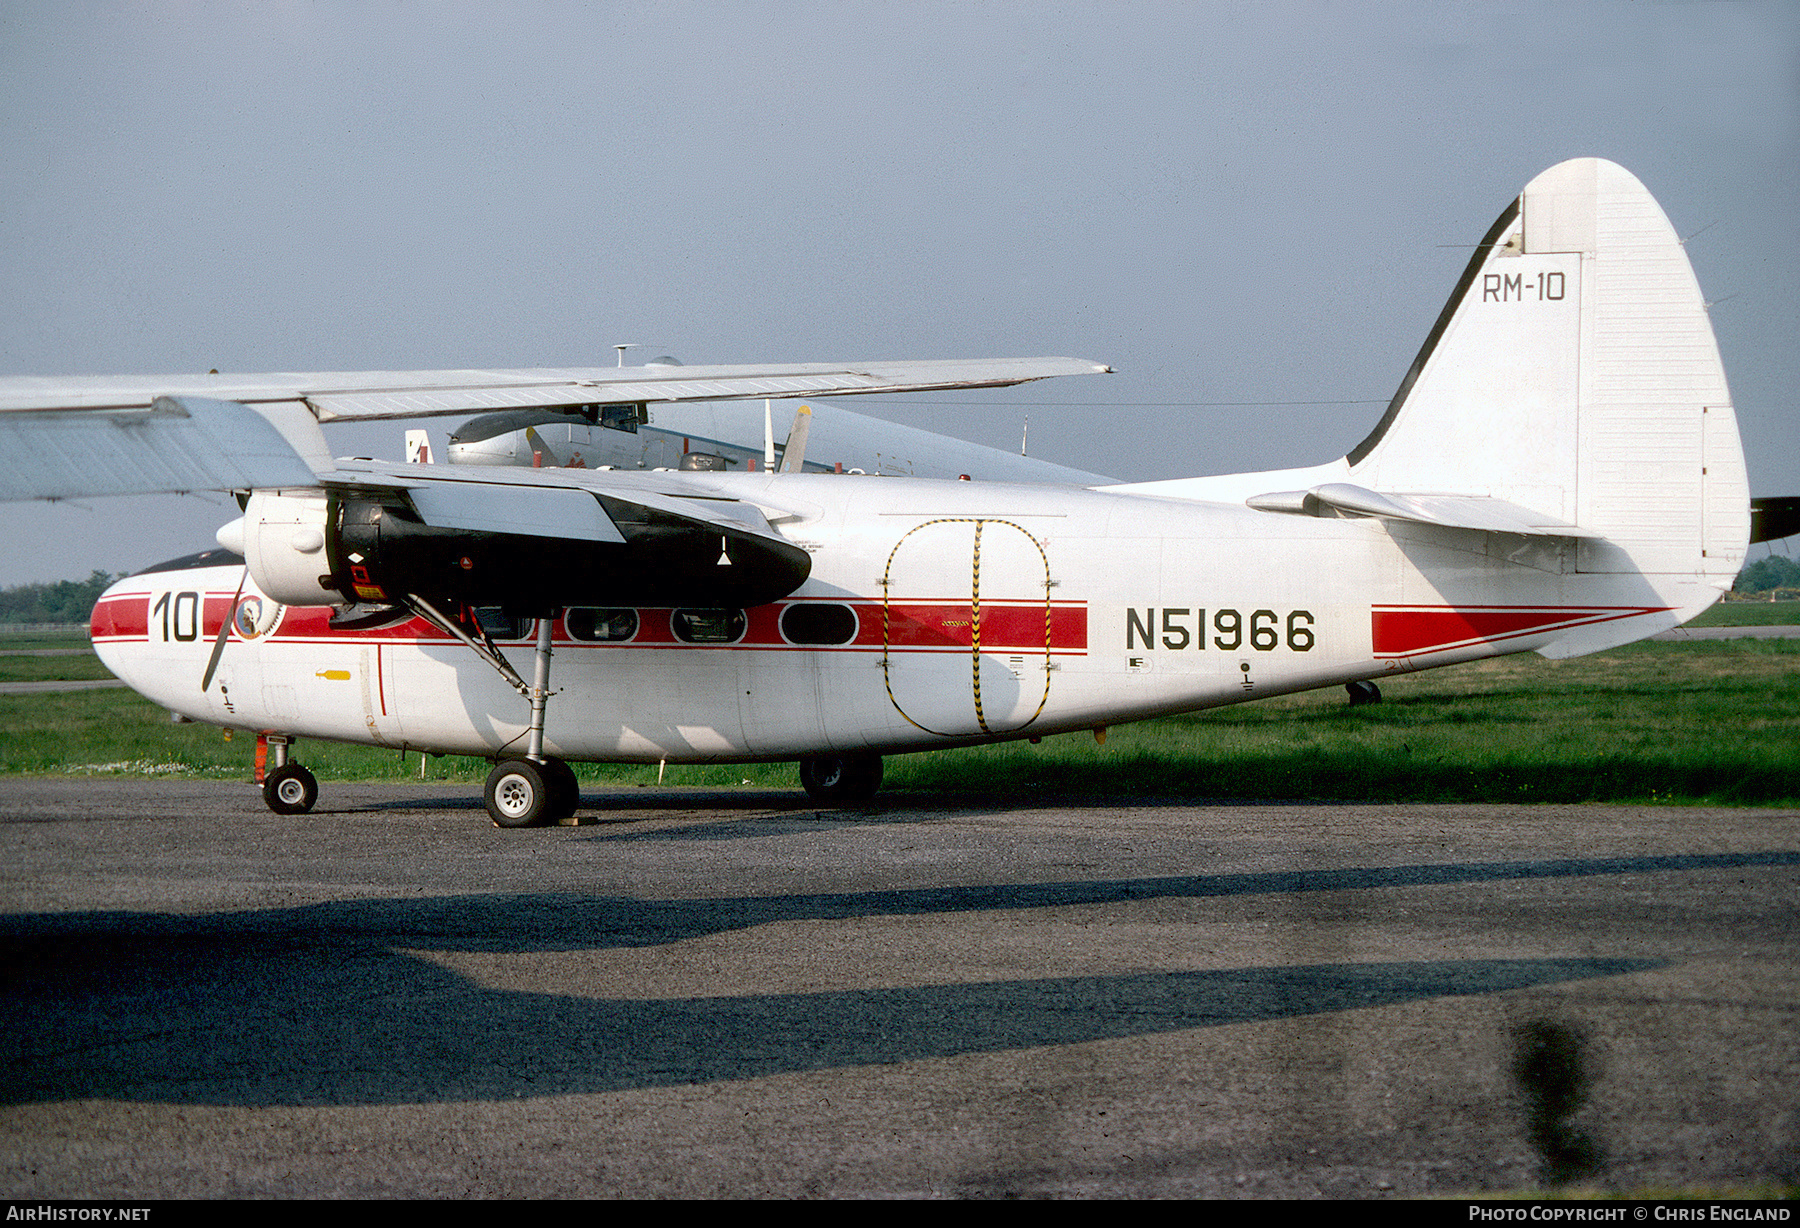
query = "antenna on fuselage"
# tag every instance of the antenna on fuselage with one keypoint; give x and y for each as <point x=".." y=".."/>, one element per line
<point x="622" y="346"/>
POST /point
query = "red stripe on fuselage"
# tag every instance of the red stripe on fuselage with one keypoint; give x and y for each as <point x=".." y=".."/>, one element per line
<point x="126" y="617"/>
<point x="1403" y="631"/>
<point x="912" y="626"/>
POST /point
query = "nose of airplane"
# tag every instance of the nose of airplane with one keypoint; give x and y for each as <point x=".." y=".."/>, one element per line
<point x="119" y="618"/>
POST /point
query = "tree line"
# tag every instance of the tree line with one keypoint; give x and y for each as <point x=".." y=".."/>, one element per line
<point x="62" y="601"/>
<point x="1766" y="574"/>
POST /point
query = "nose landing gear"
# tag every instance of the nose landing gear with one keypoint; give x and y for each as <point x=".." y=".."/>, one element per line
<point x="287" y="788"/>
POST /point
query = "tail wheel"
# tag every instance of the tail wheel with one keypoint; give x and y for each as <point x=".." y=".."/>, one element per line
<point x="290" y="789"/>
<point x="519" y="794"/>
<point x="841" y="778"/>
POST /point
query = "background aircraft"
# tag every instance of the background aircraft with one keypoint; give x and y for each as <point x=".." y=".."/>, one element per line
<point x="738" y="435"/>
<point x="1559" y="471"/>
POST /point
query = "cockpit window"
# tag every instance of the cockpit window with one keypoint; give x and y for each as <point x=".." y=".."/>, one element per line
<point x="619" y="418"/>
<point x="188" y="562"/>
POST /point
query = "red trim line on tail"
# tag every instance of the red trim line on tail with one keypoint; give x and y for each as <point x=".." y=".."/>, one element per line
<point x="1412" y="630"/>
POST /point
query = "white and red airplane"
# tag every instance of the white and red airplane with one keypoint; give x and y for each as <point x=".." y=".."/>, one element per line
<point x="1559" y="471"/>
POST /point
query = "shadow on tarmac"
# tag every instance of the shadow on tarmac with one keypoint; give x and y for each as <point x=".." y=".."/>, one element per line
<point x="324" y="1004"/>
<point x="270" y="1022"/>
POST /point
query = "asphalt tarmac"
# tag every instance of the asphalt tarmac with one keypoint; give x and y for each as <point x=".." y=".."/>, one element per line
<point x="733" y="993"/>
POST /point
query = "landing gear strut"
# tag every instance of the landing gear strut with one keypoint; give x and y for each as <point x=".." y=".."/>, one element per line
<point x="537" y="789"/>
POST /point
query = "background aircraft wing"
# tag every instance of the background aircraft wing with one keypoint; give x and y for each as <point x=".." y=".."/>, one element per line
<point x="69" y="437"/>
<point x="194" y="443"/>
<point x="456" y="392"/>
<point x="423" y="394"/>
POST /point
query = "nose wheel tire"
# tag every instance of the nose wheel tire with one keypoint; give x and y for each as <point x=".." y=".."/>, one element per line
<point x="290" y="789"/>
<point x="841" y="778"/>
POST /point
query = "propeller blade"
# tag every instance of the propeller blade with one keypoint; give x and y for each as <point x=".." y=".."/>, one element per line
<point x="542" y="455"/>
<point x="794" y="455"/>
<point x="212" y="665"/>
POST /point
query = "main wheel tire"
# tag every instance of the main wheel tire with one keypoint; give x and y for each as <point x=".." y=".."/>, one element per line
<point x="290" y="789"/>
<point x="565" y="790"/>
<point x="841" y="778"/>
<point x="1363" y="692"/>
<point x="518" y="794"/>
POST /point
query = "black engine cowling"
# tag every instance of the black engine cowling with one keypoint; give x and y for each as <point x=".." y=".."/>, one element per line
<point x="318" y="549"/>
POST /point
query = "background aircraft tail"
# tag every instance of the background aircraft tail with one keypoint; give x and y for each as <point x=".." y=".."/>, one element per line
<point x="1574" y="373"/>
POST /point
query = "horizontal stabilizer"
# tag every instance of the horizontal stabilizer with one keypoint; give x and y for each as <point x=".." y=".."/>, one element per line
<point x="1473" y="513"/>
<point x="1774" y="518"/>
<point x="172" y="445"/>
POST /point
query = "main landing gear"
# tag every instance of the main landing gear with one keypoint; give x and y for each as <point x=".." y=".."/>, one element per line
<point x="835" y="779"/>
<point x="531" y="792"/>
<point x="535" y="789"/>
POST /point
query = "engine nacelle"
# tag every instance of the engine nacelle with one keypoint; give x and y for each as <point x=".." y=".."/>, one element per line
<point x="318" y="549"/>
<point x="283" y="539"/>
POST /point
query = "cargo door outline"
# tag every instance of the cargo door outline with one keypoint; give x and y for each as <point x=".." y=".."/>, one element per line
<point x="924" y="691"/>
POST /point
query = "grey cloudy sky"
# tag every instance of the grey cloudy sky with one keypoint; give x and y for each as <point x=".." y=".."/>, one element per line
<point x="1253" y="213"/>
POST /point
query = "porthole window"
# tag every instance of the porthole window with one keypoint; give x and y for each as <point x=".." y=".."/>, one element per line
<point x="600" y="626"/>
<point x="820" y="622"/>
<point x="708" y="626"/>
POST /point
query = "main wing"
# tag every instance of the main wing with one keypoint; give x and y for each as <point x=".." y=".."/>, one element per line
<point x="70" y="437"/>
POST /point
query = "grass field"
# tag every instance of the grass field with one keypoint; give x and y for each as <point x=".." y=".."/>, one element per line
<point x="1714" y="722"/>
<point x="52" y="669"/>
<point x="1750" y="614"/>
<point x="21" y="641"/>
<point x="1711" y="722"/>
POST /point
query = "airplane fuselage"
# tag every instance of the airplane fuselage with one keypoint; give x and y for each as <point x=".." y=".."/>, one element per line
<point x="936" y="613"/>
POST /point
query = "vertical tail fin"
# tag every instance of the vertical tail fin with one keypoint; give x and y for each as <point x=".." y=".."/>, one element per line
<point x="1574" y="372"/>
